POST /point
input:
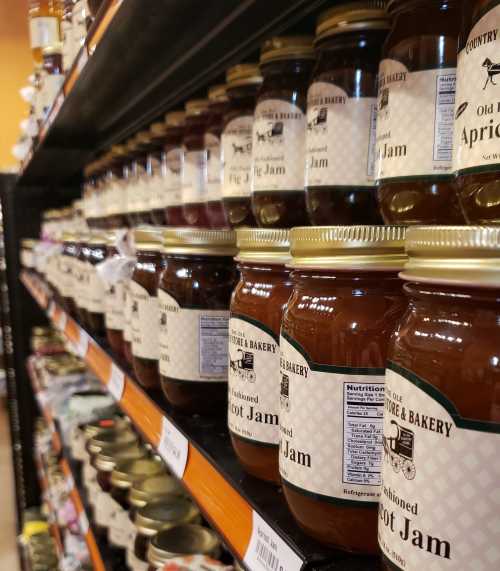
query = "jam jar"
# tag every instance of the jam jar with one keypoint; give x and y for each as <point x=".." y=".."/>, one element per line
<point x="156" y="170"/>
<point x="279" y="133"/>
<point x="140" y="177"/>
<point x="116" y="202"/>
<point x="257" y="306"/>
<point x="416" y="100"/>
<point x="243" y="83"/>
<point x="114" y="300"/>
<point x="194" y="542"/>
<point x="144" y="318"/>
<point x="95" y="284"/>
<point x="442" y="405"/>
<point x="194" y="290"/>
<point x="130" y="181"/>
<point x="346" y="302"/>
<point x="80" y="268"/>
<point x="341" y="115"/>
<point x="66" y="264"/>
<point x="153" y="488"/>
<point x="194" y="168"/>
<point x="218" y="103"/>
<point x="477" y="127"/>
<point x="174" y="158"/>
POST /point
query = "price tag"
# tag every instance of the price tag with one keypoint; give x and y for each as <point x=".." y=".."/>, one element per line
<point x="70" y="483"/>
<point x="83" y="59"/>
<point x="84" y="523"/>
<point x="267" y="551"/>
<point x="51" y="310"/>
<point x="43" y="398"/>
<point x="173" y="448"/>
<point x="63" y="319"/>
<point x="83" y="344"/>
<point x="116" y="383"/>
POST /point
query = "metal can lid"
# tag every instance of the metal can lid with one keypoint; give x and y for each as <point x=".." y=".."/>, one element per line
<point x="243" y="74"/>
<point x="164" y="514"/>
<point x="198" y="241"/>
<point x="264" y="245"/>
<point x="287" y="47"/>
<point x="127" y="472"/>
<point x="148" y="238"/>
<point x="153" y="488"/>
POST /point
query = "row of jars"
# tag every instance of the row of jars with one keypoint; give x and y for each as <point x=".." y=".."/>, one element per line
<point x="356" y="364"/>
<point x="324" y="126"/>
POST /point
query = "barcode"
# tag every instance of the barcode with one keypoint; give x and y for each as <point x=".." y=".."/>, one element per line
<point x="267" y="557"/>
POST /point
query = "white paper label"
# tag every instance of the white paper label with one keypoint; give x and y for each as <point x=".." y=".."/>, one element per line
<point x="214" y="167"/>
<point x="63" y="320"/>
<point x="340" y="139"/>
<point x="204" y="332"/>
<point x="82" y="283"/>
<point x="114" y="302"/>
<point x="83" y="344"/>
<point x="414" y="122"/>
<point x="254" y="364"/>
<point x="278" y="150"/>
<point x="145" y="322"/>
<point x="331" y="428"/>
<point x="119" y="531"/>
<point x="116" y="383"/>
<point x="104" y="507"/>
<point x="44" y="31"/>
<point x="477" y="122"/>
<point x="440" y="502"/>
<point x="95" y="291"/>
<point x="194" y="177"/>
<point x="267" y="551"/>
<point x="84" y="523"/>
<point x="173" y="177"/>
<point x="173" y="448"/>
<point x="236" y="149"/>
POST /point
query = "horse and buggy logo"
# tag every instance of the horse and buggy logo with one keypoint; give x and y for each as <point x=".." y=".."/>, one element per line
<point x="399" y="451"/>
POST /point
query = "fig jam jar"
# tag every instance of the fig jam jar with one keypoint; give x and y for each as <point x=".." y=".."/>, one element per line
<point x="194" y="168"/>
<point x="279" y="132"/>
<point x="156" y="171"/>
<point x="116" y="199"/>
<point x="131" y="184"/>
<point x="416" y="100"/>
<point x="174" y="158"/>
<point x="243" y="83"/>
<point x="127" y="329"/>
<point x="442" y="406"/>
<point x="346" y="302"/>
<point x="141" y="177"/>
<point x="218" y="103"/>
<point x="257" y="306"/>
<point x="144" y="311"/>
<point x="95" y="284"/>
<point x="194" y="290"/>
<point x="341" y="115"/>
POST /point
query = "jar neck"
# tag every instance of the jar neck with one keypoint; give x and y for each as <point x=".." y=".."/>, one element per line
<point x="452" y="294"/>
<point x="363" y="40"/>
<point x="255" y="271"/>
<point x="352" y="281"/>
<point x="287" y="67"/>
<point x="409" y="6"/>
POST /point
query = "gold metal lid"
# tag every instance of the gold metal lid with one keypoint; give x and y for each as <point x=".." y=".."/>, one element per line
<point x="352" y="16"/>
<point x="148" y="238"/>
<point x="104" y="425"/>
<point x="243" y="74"/>
<point x="164" y="514"/>
<point x="154" y="488"/>
<point x="143" y="138"/>
<point x="196" y="107"/>
<point x="157" y="130"/>
<point x="217" y="93"/>
<point x="268" y="246"/>
<point x="287" y="47"/>
<point x="68" y="237"/>
<point x="463" y="255"/>
<point x="199" y="241"/>
<point x="107" y="460"/>
<point x="42" y="331"/>
<point x="118" y="151"/>
<point x="28" y="243"/>
<point x="180" y="540"/>
<point x="97" y="238"/>
<point x="175" y="118"/>
<point x="53" y="49"/>
<point x="127" y="472"/>
<point x="373" y="248"/>
<point x="109" y="440"/>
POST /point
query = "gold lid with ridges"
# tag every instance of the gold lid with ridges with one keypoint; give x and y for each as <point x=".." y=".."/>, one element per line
<point x="97" y="237"/>
<point x="157" y="130"/>
<point x="148" y="238"/>
<point x="463" y="255"/>
<point x="217" y="93"/>
<point x="287" y="47"/>
<point x="243" y="74"/>
<point x="154" y="488"/>
<point x="175" y="118"/>
<point x="371" y="248"/>
<point x="164" y="514"/>
<point x="199" y="241"/>
<point x="264" y="245"/>
<point x="110" y="440"/>
<point x="55" y="48"/>
<point x="106" y="461"/>
<point x="196" y="107"/>
<point x="129" y="471"/>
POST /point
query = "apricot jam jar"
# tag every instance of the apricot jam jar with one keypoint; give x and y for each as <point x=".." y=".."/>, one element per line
<point x="341" y="115"/>
<point x="346" y="302"/>
<point x="439" y="505"/>
<point x="416" y="101"/>
<point x="257" y="306"/>
<point x="174" y="158"/>
<point x="279" y="133"/>
<point x="194" y="291"/>
<point x="476" y="161"/>
<point x="243" y="83"/>
<point x="144" y="311"/>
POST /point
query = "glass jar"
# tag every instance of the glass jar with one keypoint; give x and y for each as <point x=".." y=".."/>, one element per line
<point x="346" y="301"/>
<point x="442" y="406"/>
<point x="116" y="202"/>
<point x="279" y="133"/>
<point x="127" y="331"/>
<point x="194" y="169"/>
<point x="218" y="103"/>
<point x="341" y="115"/>
<point x="66" y="263"/>
<point x="151" y="489"/>
<point x="194" y="290"/>
<point x="257" y="306"/>
<point x="243" y="83"/>
<point x="415" y="114"/>
<point x="187" y="540"/>
<point x="130" y="181"/>
<point x="141" y="178"/>
<point x="145" y="320"/>
<point x="80" y="269"/>
<point x="156" y="170"/>
<point x="44" y="17"/>
<point x="114" y="301"/>
<point x="477" y="129"/>
<point x="95" y="284"/>
<point x="174" y="157"/>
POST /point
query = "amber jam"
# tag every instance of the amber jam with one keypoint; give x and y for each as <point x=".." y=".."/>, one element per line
<point x="442" y="405"/>
<point x="144" y="311"/>
<point x="194" y="290"/>
<point x="346" y="301"/>
<point x="174" y="157"/>
<point x="415" y="114"/>
<point x="218" y="104"/>
<point x="341" y="115"/>
<point x="243" y="83"/>
<point x="279" y="132"/>
<point x="194" y="168"/>
<point x="114" y="300"/>
<point x="95" y="284"/>
<point x="477" y="129"/>
<point x="66" y="271"/>
<point x="156" y="171"/>
<point x="257" y="306"/>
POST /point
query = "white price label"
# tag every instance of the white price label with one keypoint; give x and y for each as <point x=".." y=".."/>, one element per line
<point x="173" y="448"/>
<point x="43" y="398"/>
<point x="84" y="523"/>
<point x="83" y="344"/>
<point x="51" y="310"/>
<point x="267" y="551"/>
<point x="83" y="59"/>
<point x="63" y="319"/>
<point x="116" y="383"/>
<point x="70" y="483"/>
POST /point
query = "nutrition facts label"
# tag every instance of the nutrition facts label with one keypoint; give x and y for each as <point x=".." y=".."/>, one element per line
<point x="363" y="428"/>
<point x="214" y="331"/>
<point x="445" y="108"/>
